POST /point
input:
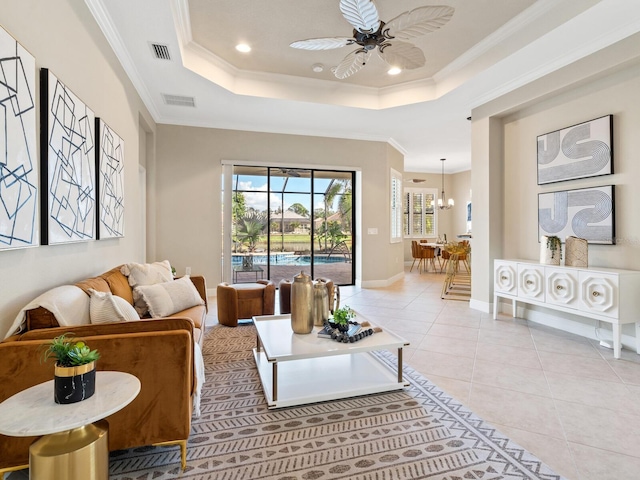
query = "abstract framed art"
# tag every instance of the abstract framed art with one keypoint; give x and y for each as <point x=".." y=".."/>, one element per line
<point x="581" y="151"/>
<point x="67" y="179"/>
<point x="19" y="226"/>
<point x="109" y="182"/>
<point x="587" y="213"/>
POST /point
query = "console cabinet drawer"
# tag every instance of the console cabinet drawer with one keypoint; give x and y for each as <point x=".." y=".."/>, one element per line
<point x="599" y="293"/>
<point x="531" y="282"/>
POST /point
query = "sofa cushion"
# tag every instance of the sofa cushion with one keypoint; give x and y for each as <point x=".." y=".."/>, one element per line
<point x="118" y="284"/>
<point x="141" y="274"/>
<point x="197" y="315"/>
<point x="168" y="298"/>
<point x="106" y="307"/>
<point x="95" y="283"/>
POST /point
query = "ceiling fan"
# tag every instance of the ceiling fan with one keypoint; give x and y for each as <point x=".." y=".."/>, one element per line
<point x="369" y="32"/>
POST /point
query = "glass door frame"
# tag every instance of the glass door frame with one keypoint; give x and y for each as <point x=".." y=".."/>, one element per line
<point x="227" y="192"/>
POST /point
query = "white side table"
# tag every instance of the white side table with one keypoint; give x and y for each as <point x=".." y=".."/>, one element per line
<point x="73" y="446"/>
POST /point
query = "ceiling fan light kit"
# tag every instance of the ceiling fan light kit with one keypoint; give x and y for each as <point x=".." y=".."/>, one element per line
<point x="370" y="33"/>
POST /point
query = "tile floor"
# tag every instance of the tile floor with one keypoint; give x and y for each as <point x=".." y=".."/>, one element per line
<point x="562" y="397"/>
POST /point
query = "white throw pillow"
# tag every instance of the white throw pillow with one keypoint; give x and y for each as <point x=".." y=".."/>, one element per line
<point x="146" y="274"/>
<point x="168" y="298"/>
<point x="105" y="307"/>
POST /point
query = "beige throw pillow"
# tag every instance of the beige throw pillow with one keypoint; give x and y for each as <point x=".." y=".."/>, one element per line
<point x="167" y="298"/>
<point x="105" y="307"/>
<point x="146" y="274"/>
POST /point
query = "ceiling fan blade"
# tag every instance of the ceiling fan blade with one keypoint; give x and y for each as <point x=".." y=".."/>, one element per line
<point x="418" y="22"/>
<point x="322" y="43"/>
<point x="362" y="14"/>
<point x="403" y="55"/>
<point x="351" y="64"/>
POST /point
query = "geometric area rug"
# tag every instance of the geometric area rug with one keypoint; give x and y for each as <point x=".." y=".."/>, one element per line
<point x="418" y="432"/>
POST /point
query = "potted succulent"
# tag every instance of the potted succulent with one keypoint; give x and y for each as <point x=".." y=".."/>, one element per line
<point x="341" y="318"/>
<point x="75" y="368"/>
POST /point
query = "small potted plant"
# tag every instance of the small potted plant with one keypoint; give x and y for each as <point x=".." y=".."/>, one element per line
<point x="341" y="318"/>
<point x="75" y="368"/>
<point x="550" y="250"/>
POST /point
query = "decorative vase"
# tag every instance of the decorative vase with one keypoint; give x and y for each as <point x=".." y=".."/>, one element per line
<point x="74" y="384"/>
<point x="320" y="303"/>
<point x="548" y="255"/>
<point x="302" y="304"/>
<point x="576" y="252"/>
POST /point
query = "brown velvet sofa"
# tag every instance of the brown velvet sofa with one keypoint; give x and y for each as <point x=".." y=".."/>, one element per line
<point x="159" y="351"/>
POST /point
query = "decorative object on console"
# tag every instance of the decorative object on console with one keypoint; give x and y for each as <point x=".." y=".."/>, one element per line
<point x="580" y="151"/>
<point x="550" y="250"/>
<point x="576" y="252"/>
<point x="586" y="213"/>
<point x="109" y="182"/>
<point x="75" y="369"/>
<point x="67" y="178"/>
<point x="19" y="226"/>
<point x="302" y="304"/>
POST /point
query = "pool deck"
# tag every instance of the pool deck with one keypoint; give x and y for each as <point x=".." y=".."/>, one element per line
<point x="339" y="272"/>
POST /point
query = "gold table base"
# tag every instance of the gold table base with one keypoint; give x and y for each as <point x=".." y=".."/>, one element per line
<point x="78" y="454"/>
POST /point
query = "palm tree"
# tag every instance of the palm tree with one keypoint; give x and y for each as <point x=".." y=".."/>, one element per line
<point x="250" y="228"/>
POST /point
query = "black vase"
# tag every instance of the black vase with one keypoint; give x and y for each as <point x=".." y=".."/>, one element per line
<point x="74" y="384"/>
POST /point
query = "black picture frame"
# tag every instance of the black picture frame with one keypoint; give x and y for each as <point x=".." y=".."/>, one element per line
<point x="580" y="151"/>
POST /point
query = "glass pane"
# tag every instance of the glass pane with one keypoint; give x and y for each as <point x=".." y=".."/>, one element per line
<point x="333" y="223"/>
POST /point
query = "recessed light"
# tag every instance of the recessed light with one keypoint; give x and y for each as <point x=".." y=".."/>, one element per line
<point x="317" y="67"/>
<point x="243" y="47"/>
<point x="394" y="71"/>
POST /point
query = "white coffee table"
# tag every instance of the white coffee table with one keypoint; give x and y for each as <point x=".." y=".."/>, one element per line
<point x="298" y="369"/>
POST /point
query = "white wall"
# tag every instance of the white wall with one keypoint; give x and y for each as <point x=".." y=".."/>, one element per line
<point x="189" y="202"/>
<point x="63" y="37"/>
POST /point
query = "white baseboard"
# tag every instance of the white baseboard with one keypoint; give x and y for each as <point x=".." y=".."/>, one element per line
<point x="212" y="292"/>
<point x="481" y="306"/>
<point x="382" y="283"/>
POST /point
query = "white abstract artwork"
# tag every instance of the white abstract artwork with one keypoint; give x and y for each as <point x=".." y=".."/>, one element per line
<point x="67" y="165"/>
<point x="19" y="226"/>
<point x="110" y="182"/>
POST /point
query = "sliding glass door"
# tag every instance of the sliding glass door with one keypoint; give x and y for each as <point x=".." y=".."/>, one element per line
<point x="288" y="220"/>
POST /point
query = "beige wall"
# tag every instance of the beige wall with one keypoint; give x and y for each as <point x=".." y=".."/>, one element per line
<point x="450" y="222"/>
<point x="189" y="200"/>
<point x="514" y="215"/>
<point x="63" y="37"/>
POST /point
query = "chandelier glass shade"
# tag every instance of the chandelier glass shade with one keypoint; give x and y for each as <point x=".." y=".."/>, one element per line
<point x="442" y="205"/>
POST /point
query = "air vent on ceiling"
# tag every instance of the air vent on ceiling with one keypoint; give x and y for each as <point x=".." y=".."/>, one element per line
<point x="179" y="100"/>
<point x="161" y="52"/>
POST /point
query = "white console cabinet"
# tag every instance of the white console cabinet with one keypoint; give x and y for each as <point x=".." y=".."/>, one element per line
<point x="605" y="294"/>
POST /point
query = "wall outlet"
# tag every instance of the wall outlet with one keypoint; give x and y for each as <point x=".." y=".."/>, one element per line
<point x="187" y="271"/>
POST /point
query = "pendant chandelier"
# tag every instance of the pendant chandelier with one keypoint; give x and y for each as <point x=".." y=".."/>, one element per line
<point x="441" y="203"/>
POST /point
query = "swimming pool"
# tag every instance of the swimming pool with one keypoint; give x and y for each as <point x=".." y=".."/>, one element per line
<point x="288" y="259"/>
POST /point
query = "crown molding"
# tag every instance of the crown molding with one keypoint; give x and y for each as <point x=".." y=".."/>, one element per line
<point x="104" y="21"/>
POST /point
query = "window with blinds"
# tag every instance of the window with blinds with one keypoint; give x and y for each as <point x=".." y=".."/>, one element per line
<point x="396" y="207"/>
<point x="419" y="217"/>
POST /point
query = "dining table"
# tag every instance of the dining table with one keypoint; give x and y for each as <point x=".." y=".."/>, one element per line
<point x="437" y="246"/>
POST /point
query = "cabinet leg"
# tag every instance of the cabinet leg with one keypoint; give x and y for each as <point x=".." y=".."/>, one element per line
<point x="496" y="307"/>
<point x="617" y="346"/>
<point x="638" y="338"/>
<point x="514" y="306"/>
